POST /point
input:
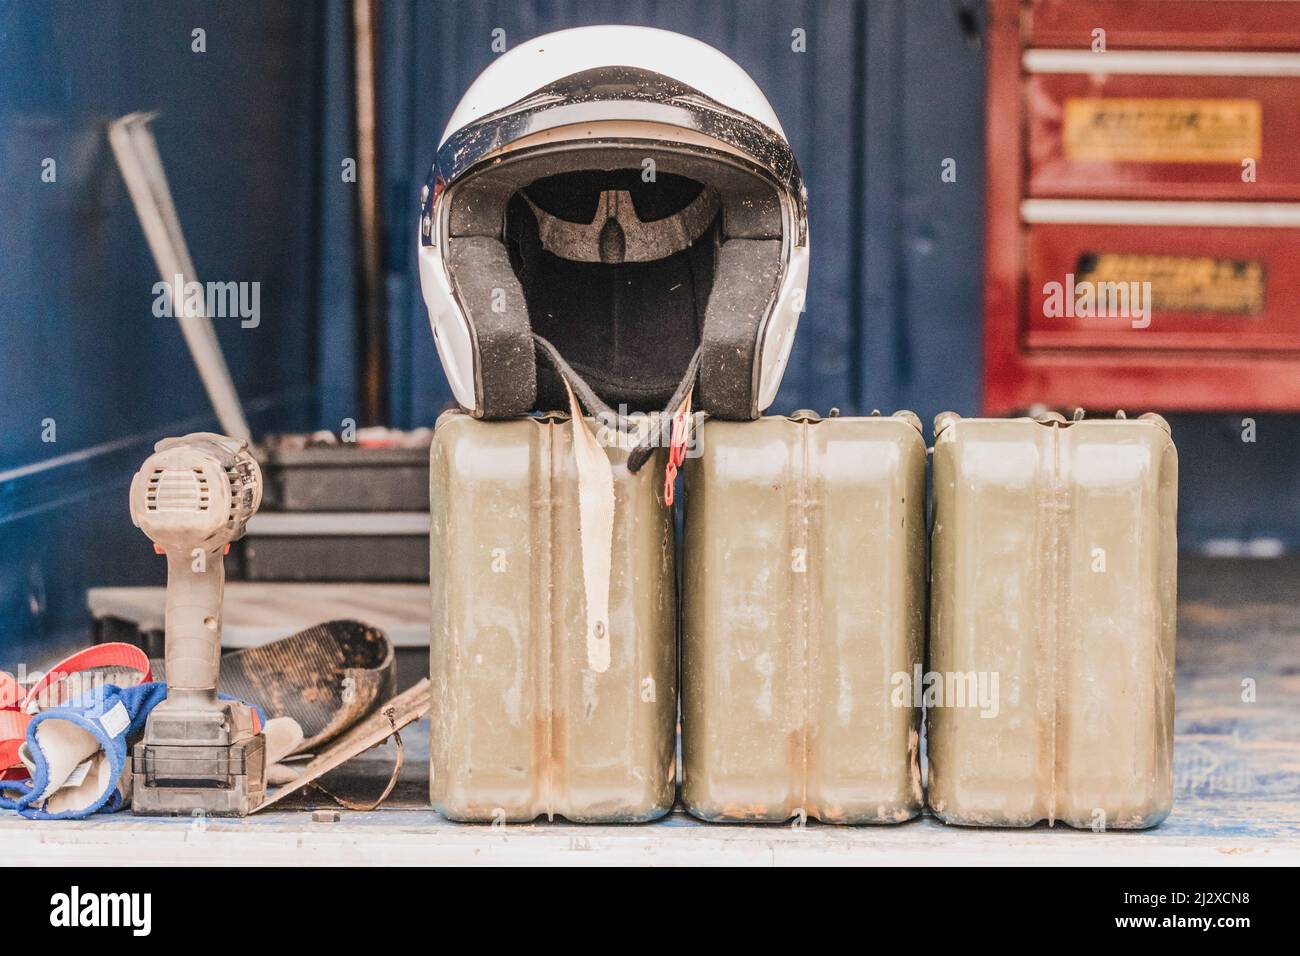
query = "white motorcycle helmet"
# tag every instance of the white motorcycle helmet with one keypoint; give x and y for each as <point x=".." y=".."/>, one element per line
<point x="617" y="207"/>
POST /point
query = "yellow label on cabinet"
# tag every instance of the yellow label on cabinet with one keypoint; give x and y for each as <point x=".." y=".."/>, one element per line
<point x="1113" y="130"/>
<point x="1182" y="283"/>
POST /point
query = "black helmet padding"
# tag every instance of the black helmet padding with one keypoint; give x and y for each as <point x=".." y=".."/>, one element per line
<point x="631" y="329"/>
<point x="744" y="282"/>
<point x="599" y="318"/>
<point x="492" y="297"/>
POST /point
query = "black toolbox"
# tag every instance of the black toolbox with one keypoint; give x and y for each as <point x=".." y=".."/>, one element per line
<point x="340" y="511"/>
<point x="306" y="473"/>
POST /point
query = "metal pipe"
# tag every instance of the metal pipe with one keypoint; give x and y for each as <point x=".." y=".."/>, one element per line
<point x="137" y="156"/>
<point x="373" y="334"/>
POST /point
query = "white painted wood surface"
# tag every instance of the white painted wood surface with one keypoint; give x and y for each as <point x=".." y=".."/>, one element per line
<point x="420" y="837"/>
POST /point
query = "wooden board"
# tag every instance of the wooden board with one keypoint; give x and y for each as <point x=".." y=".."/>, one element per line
<point x="256" y="613"/>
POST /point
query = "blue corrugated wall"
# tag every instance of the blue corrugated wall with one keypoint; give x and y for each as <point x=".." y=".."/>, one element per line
<point x="253" y="133"/>
<point x="82" y="352"/>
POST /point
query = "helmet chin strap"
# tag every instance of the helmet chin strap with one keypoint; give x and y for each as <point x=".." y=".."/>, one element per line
<point x="617" y="235"/>
<point x="660" y="425"/>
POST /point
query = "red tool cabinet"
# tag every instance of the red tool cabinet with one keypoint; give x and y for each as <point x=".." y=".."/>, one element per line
<point x="1169" y="159"/>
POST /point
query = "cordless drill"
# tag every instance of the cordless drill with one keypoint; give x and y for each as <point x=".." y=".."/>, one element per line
<point x="192" y="497"/>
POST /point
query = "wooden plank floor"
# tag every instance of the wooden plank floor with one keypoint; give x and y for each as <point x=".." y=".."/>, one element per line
<point x="1237" y="786"/>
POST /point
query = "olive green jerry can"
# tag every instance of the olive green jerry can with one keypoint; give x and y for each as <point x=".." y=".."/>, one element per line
<point x="1050" y="689"/>
<point x="527" y="720"/>
<point x="803" y="614"/>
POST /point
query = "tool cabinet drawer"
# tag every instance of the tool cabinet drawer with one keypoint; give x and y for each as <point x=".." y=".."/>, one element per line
<point x="1166" y="24"/>
<point x="1136" y="136"/>
<point x="1162" y="287"/>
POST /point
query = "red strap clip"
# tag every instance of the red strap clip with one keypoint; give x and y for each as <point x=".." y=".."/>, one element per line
<point x="676" y="448"/>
